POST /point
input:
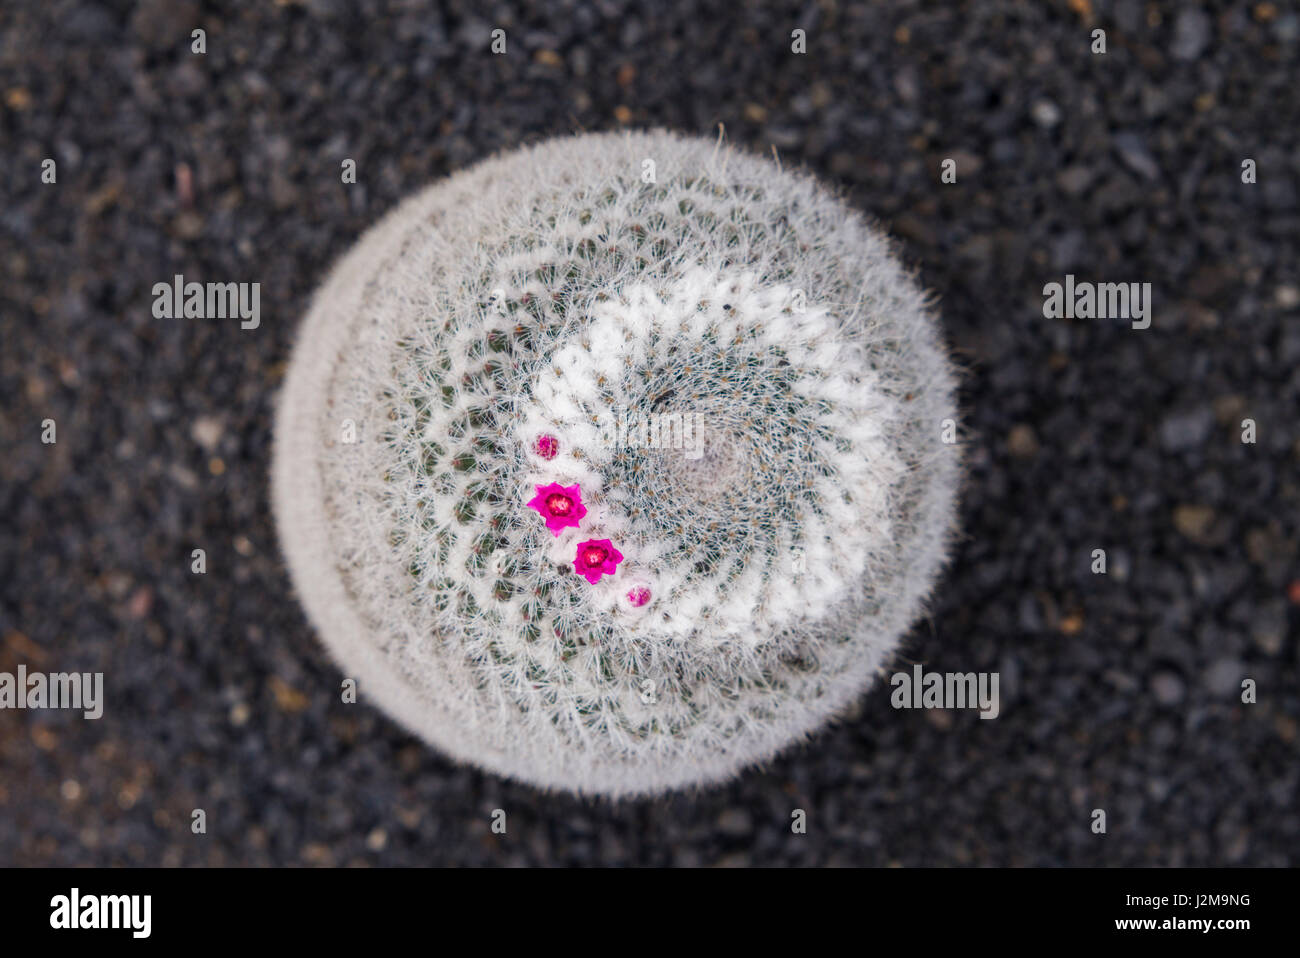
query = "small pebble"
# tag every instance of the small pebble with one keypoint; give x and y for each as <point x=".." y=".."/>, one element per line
<point x="1167" y="688"/>
<point x="1223" y="678"/>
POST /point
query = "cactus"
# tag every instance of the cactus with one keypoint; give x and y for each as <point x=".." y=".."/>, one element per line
<point x="486" y="534"/>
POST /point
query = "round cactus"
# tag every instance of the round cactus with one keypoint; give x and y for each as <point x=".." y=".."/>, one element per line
<point x="616" y="464"/>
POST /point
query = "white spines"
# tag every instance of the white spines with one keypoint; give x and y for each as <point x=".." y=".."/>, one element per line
<point x="648" y="479"/>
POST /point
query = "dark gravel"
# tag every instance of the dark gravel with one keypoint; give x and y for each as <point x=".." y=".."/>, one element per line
<point x="1120" y="691"/>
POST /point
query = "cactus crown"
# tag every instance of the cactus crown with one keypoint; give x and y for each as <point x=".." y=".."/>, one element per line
<point x="526" y="577"/>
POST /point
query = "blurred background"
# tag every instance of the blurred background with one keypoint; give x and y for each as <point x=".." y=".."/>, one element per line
<point x="1119" y="691"/>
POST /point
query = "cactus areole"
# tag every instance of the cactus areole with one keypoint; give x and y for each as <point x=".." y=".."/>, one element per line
<point x="615" y="464"/>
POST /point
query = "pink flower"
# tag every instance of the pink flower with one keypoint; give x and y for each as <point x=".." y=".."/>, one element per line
<point x="547" y="446"/>
<point x="560" y="506"/>
<point x="596" y="557"/>
<point x="638" y="596"/>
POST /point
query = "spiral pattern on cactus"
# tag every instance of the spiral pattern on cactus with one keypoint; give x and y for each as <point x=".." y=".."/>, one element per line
<point x="615" y="464"/>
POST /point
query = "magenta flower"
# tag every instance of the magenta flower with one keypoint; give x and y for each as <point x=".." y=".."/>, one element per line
<point x="638" y="596"/>
<point x="560" y="506"/>
<point x="596" y="557"/>
<point x="547" y="446"/>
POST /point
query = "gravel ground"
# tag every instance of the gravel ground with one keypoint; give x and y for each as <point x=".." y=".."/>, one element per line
<point x="1120" y="692"/>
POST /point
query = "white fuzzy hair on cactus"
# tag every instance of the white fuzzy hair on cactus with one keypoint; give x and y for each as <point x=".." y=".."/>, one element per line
<point x="616" y="616"/>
